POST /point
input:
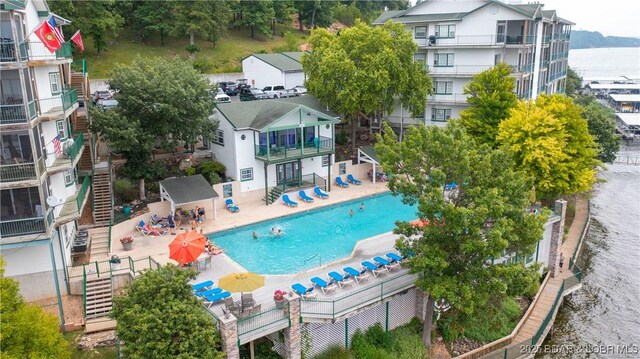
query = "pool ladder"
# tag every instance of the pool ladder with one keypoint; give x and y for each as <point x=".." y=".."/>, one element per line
<point x="313" y="256"/>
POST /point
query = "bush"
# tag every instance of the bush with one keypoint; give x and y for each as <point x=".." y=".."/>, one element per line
<point x="214" y="178"/>
<point x="157" y="170"/>
<point x="207" y="167"/>
<point x="341" y="139"/>
<point x="347" y="14"/>
<point x="202" y="65"/>
<point x="291" y="40"/>
<point x="334" y="352"/>
<point x="190" y="171"/>
<point x="363" y="349"/>
<point x="125" y="190"/>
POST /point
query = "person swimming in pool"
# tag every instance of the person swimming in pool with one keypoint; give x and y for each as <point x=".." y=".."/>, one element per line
<point x="254" y="235"/>
<point x="351" y="212"/>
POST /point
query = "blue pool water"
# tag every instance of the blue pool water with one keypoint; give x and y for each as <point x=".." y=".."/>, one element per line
<point x="329" y="232"/>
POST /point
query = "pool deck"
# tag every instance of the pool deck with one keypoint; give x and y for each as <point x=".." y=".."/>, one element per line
<point x="252" y="212"/>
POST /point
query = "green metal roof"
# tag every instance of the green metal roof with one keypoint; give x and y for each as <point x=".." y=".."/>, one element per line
<point x="296" y="55"/>
<point x="281" y="61"/>
<point x="258" y="115"/>
<point x="13" y="5"/>
<point x="386" y="16"/>
<point x="183" y="190"/>
<point x="370" y="151"/>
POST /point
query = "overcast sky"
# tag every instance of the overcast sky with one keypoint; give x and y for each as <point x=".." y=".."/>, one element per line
<point x="609" y="17"/>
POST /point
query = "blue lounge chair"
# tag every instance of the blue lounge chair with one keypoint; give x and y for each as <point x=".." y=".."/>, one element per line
<point x="394" y="257"/>
<point x="304" y="197"/>
<point x="358" y="275"/>
<point x="319" y="193"/>
<point x="288" y="201"/>
<point x="303" y="291"/>
<point x="341" y="183"/>
<point x="386" y="264"/>
<point x="208" y="293"/>
<point x="217" y="298"/>
<point x="351" y="179"/>
<point x="231" y="206"/>
<point x="376" y="270"/>
<point x="323" y="284"/>
<point x="206" y="285"/>
<point x="342" y="280"/>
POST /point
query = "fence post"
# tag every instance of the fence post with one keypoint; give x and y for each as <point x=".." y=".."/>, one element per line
<point x="229" y="334"/>
<point x="97" y="269"/>
<point x="292" y="335"/>
<point x="386" y="325"/>
<point x="346" y="333"/>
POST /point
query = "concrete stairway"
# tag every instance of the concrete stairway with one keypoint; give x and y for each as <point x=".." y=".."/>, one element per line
<point x="99" y="301"/>
<point x="99" y="243"/>
<point x="103" y="192"/>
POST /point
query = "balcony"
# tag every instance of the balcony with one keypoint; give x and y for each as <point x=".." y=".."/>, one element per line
<point x="561" y="37"/>
<point x="519" y="39"/>
<point x="70" y="156"/>
<point x="38" y="52"/>
<point x="559" y="56"/>
<point x="72" y="207"/>
<point x="11" y="51"/>
<point x="557" y="75"/>
<point x="15" y="114"/>
<point x="21" y="170"/>
<point x="58" y="107"/>
<point x="25" y="226"/>
<point x="279" y="153"/>
<point x="454" y="98"/>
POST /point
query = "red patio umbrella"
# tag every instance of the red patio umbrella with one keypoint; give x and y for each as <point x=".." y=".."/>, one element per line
<point x="186" y="247"/>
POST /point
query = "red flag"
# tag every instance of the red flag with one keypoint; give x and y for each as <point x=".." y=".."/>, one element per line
<point x="56" y="29"/>
<point x="77" y="39"/>
<point x="45" y="33"/>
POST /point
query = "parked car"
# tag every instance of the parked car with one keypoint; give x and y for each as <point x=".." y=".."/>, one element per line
<point x="106" y="103"/>
<point x="274" y="91"/>
<point x="301" y="90"/>
<point x="230" y="88"/>
<point x="252" y="94"/>
<point x="243" y="84"/>
<point x="289" y="93"/>
<point x="103" y="94"/>
<point x="221" y="97"/>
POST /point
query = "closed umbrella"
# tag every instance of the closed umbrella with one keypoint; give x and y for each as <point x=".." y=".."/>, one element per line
<point x="186" y="247"/>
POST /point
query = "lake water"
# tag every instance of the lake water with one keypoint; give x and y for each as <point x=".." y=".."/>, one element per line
<point x="607" y="309"/>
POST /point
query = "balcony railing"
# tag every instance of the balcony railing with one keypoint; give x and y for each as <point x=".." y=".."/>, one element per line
<point x="11" y="51"/>
<point x="519" y="39"/>
<point x="559" y="55"/>
<point x="26" y="226"/>
<point x="319" y="146"/>
<point x="15" y="114"/>
<point x="452" y="98"/>
<point x="70" y="155"/>
<point x="58" y="104"/>
<point x="561" y="36"/>
<point x="557" y="75"/>
<point x="24" y="171"/>
<point x="37" y="51"/>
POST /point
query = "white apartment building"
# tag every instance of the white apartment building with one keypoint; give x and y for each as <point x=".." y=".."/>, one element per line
<point x="458" y="39"/>
<point x="43" y="189"/>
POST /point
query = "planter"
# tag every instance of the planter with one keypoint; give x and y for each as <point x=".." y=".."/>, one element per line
<point x="280" y="304"/>
<point x="127" y="246"/>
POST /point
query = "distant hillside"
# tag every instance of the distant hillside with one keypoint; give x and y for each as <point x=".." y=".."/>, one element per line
<point x="593" y="39"/>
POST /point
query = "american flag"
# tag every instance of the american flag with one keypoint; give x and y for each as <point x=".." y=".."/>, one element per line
<point x="57" y="146"/>
<point x="56" y="29"/>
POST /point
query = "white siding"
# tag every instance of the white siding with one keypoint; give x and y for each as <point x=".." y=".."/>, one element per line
<point x="260" y="73"/>
<point x="225" y="154"/>
<point x="293" y="79"/>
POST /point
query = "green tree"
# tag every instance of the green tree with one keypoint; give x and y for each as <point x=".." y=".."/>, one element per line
<point x="602" y="127"/>
<point x="193" y="17"/>
<point x="490" y="99"/>
<point x="484" y="216"/>
<point x="97" y="20"/>
<point x="550" y="141"/>
<point x="365" y="69"/>
<point x="220" y="12"/>
<point x="27" y="330"/>
<point x="159" y="317"/>
<point x="574" y="82"/>
<point x="316" y="13"/>
<point x="150" y="17"/>
<point x="257" y="15"/>
<point x="161" y="103"/>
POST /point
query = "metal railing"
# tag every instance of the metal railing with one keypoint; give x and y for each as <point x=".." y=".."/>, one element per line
<point x="452" y="97"/>
<point x="9" y="52"/>
<point x="26" y="226"/>
<point x="18" y="172"/>
<point x="60" y="103"/>
<point x="270" y="319"/>
<point x="103" y="268"/>
<point x="474" y="40"/>
<point x="82" y="194"/>
<point x="561" y="36"/>
<point x="76" y="147"/>
<point x="549" y="317"/>
<point x="320" y="145"/>
<point x="333" y="308"/>
<point x="519" y="39"/>
<point x="37" y="51"/>
<point x="559" y="55"/>
<point x="302" y="181"/>
<point x="15" y="113"/>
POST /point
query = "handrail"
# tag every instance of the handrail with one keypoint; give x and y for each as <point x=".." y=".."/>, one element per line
<point x="263" y="319"/>
<point x="75" y="148"/>
<point x="103" y="267"/>
<point x="109" y="238"/>
<point x="82" y="194"/>
<point x="84" y="291"/>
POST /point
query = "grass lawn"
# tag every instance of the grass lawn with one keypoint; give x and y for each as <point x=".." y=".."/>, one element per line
<point x="98" y="353"/>
<point x="226" y="56"/>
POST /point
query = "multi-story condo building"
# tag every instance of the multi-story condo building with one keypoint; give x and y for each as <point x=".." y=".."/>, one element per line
<point x="45" y="166"/>
<point x="458" y="39"/>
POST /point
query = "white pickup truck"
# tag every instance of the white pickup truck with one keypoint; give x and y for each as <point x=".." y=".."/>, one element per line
<point x="278" y="91"/>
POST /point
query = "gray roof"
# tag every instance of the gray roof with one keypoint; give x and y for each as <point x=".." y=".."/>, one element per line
<point x="258" y="115"/>
<point x="296" y="55"/>
<point x="454" y="16"/>
<point x="286" y="63"/>
<point x="548" y="14"/>
<point x="371" y="152"/>
<point x="183" y="190"/>
<point x="386" y="16"/>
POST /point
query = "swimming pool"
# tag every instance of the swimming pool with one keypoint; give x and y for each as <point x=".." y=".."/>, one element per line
<point x="328" y="232"/>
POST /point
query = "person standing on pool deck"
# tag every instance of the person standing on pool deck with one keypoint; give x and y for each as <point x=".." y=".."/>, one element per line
<point x="351" y="213"/>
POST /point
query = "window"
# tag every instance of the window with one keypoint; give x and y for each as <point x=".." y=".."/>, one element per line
<point x="421" y="32"/>
<point x="227" y="190"/>
<point x="246" y="174"/>
<point x="68" y="178"/>
<point x="496" y="59"/>
<point x="60" y="127"/>
<point x="443" y="60"/>
<point x="54" y="80"/>
<point x="325" y="161"/>
<point x="440" y="114"/>
<point x="442" y="87"/>
<point x="419" y="57"/>
<point x="342" y="168"/>
<point x="218" y="137"/>
<point x="445" y="31"/>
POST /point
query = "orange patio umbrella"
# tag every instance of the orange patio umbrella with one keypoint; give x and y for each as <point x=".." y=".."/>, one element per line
<point x="186" y="247"/>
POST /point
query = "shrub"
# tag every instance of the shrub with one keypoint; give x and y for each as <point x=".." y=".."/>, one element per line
<point x="341" y="139"/>
<point x="206" y="167"/>
<point x="377" y="336"/>
<point x="334" y="352"/>
<point x="291" y="40"/>
<point x="214" y="178"/>
<point x="202" y="65"/>
<point x="157" y="170"/>
<point x="125" y="190"/>
<point x="363" y="349"/>
<point x="190" y="171"/>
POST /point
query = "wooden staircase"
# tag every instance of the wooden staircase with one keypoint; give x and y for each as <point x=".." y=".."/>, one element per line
<point x="99" y="243"/>
<point x="102" y="195"/>
<point x="80" y="83"/>
<point x="98" y="304"/>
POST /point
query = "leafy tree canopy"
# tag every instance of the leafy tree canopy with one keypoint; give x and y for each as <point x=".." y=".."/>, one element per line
<point x="27" y="330"/>
<point x="602" y="127"/>
<point x="159" y="317"/>
<point x="550" y="141"/>
<point x="485" y="216"/>
<point x="257" y="15"/>
<point x="315" y="13"/>
<point x="491" y="98"/>
<point x="161" y="103"/>
<point x="574" y="82"/>
<point x="365" y="69"/>
<point x="150" y="17"/>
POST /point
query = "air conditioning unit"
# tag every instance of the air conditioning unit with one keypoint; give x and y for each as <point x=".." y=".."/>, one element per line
<point x="66" y="145"/>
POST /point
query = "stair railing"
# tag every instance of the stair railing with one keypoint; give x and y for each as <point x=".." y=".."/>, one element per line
<point x="84" y="291"/>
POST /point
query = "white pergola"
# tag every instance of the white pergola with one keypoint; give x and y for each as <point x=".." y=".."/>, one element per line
<point x="367" y="154"/>
<point x="181" y="191"/>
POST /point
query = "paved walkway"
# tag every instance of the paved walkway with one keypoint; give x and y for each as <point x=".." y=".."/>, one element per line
<point x="551" y="288"/>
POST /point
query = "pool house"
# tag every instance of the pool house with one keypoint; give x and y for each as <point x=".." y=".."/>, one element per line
<point x="275" y="146"/>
